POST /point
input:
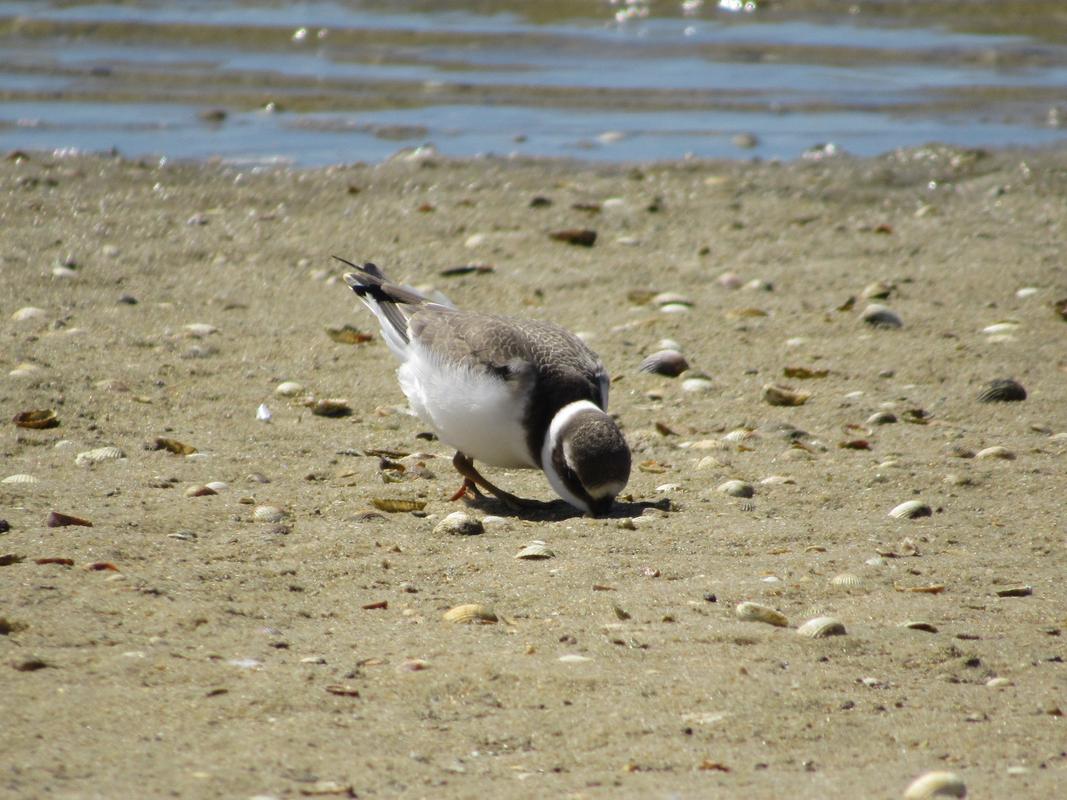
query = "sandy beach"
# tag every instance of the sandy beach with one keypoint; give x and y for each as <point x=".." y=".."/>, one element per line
<point x="193" y="644"/>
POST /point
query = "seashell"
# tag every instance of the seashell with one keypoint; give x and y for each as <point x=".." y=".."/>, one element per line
<point x="24" y="370"/>
<point x="38" y="419"/>
<point x="289" y="389"/>
<point x="171" y="446"/>
<point x="821" y="627"/>
<point x="919" y="625"/>
<point x="999" y="683"/>
<point x="736" y="488"/>
<point x="879" y="290"/>
<point x="847" y="580"/>
<point x="778" y="480"/>
<point x="330" y="408"/>
<point x="199" y="491"/>
<point x="805" y="373"/>
<point x="268" y="514"/>
<point x="665" y="362"/>
<point x="880" y="316"/>
<point x="111" y="385"/>
<point x="459" y="523"/>
<point x="671" y="299"/>
<point x="996" y="451"/>
<point x="695" y="385"/>
<point x="778" y="395"/>
<point x="535" y="550"/>
<point x="675" y="308"/>
<point x="1026" y="291"/>
<point x="756" y="612"/>
<point x="98" y="455"/>
<point x="730" y="280"/>
<point x="1015" y="591"/>
<point x="936" y="784"/>
<point x="58" y="520"/>
<point x="397" y="505"/>
<point x="1060" y="307"/>
<point x="217" y="486"/>
<point x="580" y="237"/>
<point x="198" y="330"/>
<point x="1002" y="390"/>
<point x="27" y="313"/>
<point x="911" y="509"/>
<point x="346" y="334"/>
<point x="1000" y="328"/>
<point x="574" y="658"/>
<point x="470" y="613"/>
<point x="21" y="479"/>
<point x="739" y="435"/>
<point x="881" y="418"/>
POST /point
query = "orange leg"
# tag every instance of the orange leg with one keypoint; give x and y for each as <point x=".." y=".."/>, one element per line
<point x="472" y="479"/>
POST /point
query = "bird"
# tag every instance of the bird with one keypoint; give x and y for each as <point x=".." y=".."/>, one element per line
<point x="505" y="391"/>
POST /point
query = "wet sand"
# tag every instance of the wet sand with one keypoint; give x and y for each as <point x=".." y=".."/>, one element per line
<point x="208" y="654"/>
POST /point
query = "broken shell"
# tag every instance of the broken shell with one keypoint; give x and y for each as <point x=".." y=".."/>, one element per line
<point x="471" y="613"/>
<point x="459" y="523"/>
<point x="171" y="446"/>
<point x="665" y="362"/>
<point x="1015" y="591"/>
<point x="40" y="418"/>
<point x="535" y="550"/>
<point x="21" y="478"/>
<point x="1002" y="390"/>
<point x="846" y="580"/>
<point x="268" y="514"/>
<point x="58" y="520"/>
<point x="330" y="408"/>
<point x="581" y="237"/>
<point x="919" y="625"/>
<point x="736" y="488"/>
<point x="289" y="389"/>
<point x="881" y="418"/>
<point x="996" y="451"/>
<point x="821" y="627"/>
<point x="98" y="455"/>
<point x="880" y="316"/>
<point x="936" y="784"/>
<point x="346" y="334"/>
<point x="911" y="509"/>
<point x="778" y="395"/>
<point x="199" y="491"/>
<point x="755" y="612"/>
<point x="398" y="506"/>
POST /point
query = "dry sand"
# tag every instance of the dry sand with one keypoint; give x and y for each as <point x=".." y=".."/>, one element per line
<point x="218" y="656"/>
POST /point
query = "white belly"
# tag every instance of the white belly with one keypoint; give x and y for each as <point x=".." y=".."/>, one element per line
<point x="475" y="413"/>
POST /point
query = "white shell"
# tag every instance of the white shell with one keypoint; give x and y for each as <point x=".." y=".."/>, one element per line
<point x="535" y="550"/>
<point x="21" y="478"/>
<point x="996" y="451"/>
<point x="289" y="389"/>
<point x="470" y="613"/>
<point x="28" y="313"/>
<point x="263" y="413"/>
<point x="23" y="370"/>
<point x="697" y="385"/>
<point x="881" y="418"/>
<point x="821" y="627"/>
<point x="756" y="612"/>
<point x="998" y="328"/>
<point x="736" y="488"/>
<point x="671" y="299"/>
<point x="846" y="580"/>
<point x="98" y="455"/>
<point x="268" y="514"/>
<point x="217" y="486"/>
<point x="199" y="330"/>
<point x="910" y="509"/>
<point x="459" y="523"/>
<point x="739" y="435"/>
<point x="936" y="784"/>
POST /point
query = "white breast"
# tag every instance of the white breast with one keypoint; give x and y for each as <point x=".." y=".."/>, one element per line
<point x="473" y="412"/>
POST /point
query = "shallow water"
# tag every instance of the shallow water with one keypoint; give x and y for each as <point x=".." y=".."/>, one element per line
<point x="328" y="82"/>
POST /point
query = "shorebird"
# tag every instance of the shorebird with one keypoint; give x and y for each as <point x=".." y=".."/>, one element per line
<point x="505" y="391"/>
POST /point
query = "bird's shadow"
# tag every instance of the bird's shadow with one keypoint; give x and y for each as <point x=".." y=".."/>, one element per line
<point x="558" y="510"/>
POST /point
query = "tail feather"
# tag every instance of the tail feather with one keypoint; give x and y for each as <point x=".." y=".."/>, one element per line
<point x="383" y="298"/>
